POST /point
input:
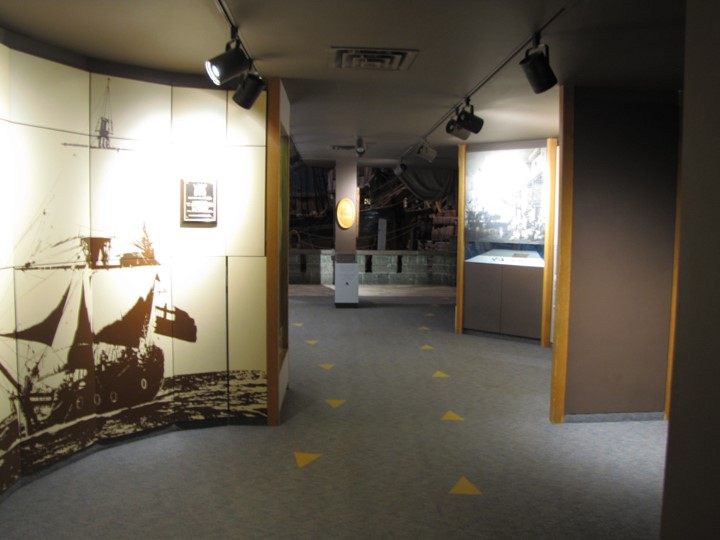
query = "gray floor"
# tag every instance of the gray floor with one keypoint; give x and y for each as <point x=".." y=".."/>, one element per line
<point x="386" y="462"/>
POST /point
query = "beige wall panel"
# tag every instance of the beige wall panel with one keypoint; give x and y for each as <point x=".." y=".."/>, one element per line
<point x="4" y="82"/>
<point x="198" y="287"/>
<point x="247" y="309"/>
<point x="116" y="290"/>
<point x="132" y="191"/>
<point x="51" y="202"/>
<point x="242" y="203"/>
<point x="247" y="128"/>
<point x="138" y="110"/>
<point x="8" y="357"/>
<point x="199" y="117"/>
<point x="7" y="188"/>
<point x="47" y="94"/>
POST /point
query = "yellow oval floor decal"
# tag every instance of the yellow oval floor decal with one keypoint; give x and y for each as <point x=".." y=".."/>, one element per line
<point x="345" y="213"/>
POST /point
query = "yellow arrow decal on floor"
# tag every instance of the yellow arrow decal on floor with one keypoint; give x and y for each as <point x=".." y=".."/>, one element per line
<point x="335" y="403"/>
<point x="311" y="341"/>
<point x="327" y="366"/>
<point x="429" y="314"/>
<point x="302" y="459"/>
<point x="427" y="348"/>
<point x="298" y="324"/>
<point x="440" y="375"/>
<point x="464" y="487"/>
<point x="452" y="416"/>
<point x="424" y="328"/>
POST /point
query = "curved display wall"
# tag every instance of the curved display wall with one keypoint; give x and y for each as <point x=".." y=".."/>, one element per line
<point x="115" y="303"/>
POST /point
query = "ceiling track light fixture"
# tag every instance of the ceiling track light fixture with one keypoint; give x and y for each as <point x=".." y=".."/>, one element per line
<point x="465" y="122"/>
<point x="360" y="147"/>
<point x="249" y="90"/>
<point x="233" y="63"/>
<point x="230" y="64"/>
<point x="425" y="151"/>
<point x="536" y="66"/>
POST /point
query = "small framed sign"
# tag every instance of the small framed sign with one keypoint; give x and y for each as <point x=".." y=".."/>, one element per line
<point x="199" y="201"/>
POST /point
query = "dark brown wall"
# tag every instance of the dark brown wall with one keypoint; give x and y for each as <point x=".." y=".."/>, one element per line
<point x="692" y="473"/>
<point x="625" y="175"/>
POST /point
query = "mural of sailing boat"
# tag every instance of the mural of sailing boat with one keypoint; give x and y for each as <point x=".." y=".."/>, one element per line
<point x="104" y="126"/>
<point x="94" y="371"/>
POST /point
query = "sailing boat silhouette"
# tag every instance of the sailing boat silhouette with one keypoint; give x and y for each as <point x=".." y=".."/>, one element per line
<point x="118" y="366"/>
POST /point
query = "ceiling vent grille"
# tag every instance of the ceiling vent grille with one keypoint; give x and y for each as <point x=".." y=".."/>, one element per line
<point x="368" y="58"/>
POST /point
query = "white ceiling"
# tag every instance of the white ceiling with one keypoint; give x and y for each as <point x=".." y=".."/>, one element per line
<point x="610" y="43"/>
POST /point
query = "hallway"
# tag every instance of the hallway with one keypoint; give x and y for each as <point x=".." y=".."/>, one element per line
<point x="393" y="427"/>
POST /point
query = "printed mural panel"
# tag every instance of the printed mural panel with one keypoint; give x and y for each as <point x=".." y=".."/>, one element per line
<point x="132" y="330"/>
<point x="199" y="117"/>
<point x="48" y="94"/>
<point x="128" y="109"/>
<point x="133" y="201"/>
<point x="9" y="390"/>
<point x="201" y="385"/>
<point x="4" y="83"/>
<point x="198" y="285"/>
<point x="247" y="127"/>
<point x="50" y="179"/>
<point x="7" y="188"/>
<point x="55" y="363"/>
<point x="247" y="336"/>
<point x="243" y="193"/>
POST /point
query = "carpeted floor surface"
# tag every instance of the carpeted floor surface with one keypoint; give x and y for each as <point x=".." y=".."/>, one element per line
<point x="393" y="427"/>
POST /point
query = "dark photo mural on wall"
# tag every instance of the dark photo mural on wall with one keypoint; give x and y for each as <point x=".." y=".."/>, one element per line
<point x="93" y="345"/>
<point x="71" y="374"/>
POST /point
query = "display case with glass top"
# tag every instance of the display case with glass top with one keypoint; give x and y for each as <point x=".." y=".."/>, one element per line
<point x="506" y="209"/>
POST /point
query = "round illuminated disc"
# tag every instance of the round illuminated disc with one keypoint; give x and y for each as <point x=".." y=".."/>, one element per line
<point x="345" y="213"/>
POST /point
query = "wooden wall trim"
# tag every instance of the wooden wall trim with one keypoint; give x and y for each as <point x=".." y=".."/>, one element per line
<point x="562" y="298"/>
<point x="549" y="271"/>
<point x="674" y="292"/>
<point x="460" y="265"/>
<point x="272" y="249"/>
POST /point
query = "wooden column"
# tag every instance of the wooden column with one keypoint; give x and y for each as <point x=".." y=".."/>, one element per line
<point x="549" y="271"/>
<point x="275" y="221"/>
<point x="562" y="293"/>
<point x="460" y="265"/>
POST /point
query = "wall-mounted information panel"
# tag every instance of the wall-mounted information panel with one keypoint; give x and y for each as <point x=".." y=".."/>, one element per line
<point x="199" y="199"/>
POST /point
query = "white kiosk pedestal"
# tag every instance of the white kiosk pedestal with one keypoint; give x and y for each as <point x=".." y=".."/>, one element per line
<point x="346" y="285"/>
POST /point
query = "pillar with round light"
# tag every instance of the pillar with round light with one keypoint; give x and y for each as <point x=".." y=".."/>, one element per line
<point x="346" y="231"/>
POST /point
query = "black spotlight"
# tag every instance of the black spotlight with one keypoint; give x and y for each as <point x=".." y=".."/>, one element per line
<point x="536" y="66"/>
<point x="249" y="90"/>
<point x="228" y="65"/>
<point x="360" y="147"/>
<point x="453" y="129"/>
<point x="464" y="123"/>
